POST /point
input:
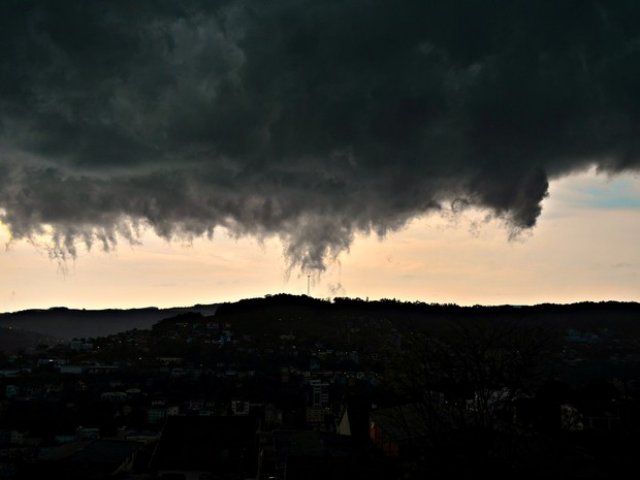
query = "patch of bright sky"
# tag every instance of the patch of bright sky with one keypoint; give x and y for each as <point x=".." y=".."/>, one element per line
<point x="591" y="190"/>
<point x="584" y="247"/>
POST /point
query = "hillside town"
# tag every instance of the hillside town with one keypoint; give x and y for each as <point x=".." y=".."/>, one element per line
<point x="217" y="397"/>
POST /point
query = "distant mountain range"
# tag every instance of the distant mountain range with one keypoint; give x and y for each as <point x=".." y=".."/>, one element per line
<point x="65" y="323"/>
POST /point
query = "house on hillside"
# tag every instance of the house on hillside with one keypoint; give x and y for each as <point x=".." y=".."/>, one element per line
<point x="354" y="420"/>
<point x="397" y="430"/>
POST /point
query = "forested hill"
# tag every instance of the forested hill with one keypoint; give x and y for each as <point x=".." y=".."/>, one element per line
<point x="283" y="313"/>
<point x="64" y="323"/>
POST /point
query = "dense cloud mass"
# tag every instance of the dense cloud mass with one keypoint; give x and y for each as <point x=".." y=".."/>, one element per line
<point x="311" y="120"/>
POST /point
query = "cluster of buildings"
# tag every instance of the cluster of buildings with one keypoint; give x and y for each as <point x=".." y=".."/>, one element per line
<point x="196" y="397"/>
<point x="123" y="390"/>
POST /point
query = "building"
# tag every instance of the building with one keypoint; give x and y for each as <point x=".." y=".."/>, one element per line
<point x="319" y="394"/>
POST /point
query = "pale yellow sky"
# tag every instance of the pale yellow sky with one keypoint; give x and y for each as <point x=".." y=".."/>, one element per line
<point x="586" y="246"/>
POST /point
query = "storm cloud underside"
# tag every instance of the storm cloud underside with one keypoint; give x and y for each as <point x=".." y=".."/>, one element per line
<point x="309" y="120"/>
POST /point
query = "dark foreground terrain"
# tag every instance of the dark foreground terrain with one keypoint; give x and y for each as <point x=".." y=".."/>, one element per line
<point x="287" y="387"/>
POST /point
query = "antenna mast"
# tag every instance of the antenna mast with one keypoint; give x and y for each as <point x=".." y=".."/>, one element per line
<point x="308" y="285"/>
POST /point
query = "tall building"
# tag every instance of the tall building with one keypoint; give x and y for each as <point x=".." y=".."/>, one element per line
<point x="319" y="393"/>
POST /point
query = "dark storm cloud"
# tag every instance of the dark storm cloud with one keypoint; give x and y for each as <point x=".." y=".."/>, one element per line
<point x="310" y="120"/>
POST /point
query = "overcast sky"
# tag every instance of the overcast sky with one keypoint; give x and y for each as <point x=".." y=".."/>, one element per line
<point x="476" y="152"/>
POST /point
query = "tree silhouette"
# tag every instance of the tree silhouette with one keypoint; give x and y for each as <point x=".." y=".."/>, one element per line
<point x="462" y="384"/>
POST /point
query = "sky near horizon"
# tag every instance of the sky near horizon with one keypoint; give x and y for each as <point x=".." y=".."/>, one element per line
<point x="585" y="247"/>
<point x="469" y="152"/>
